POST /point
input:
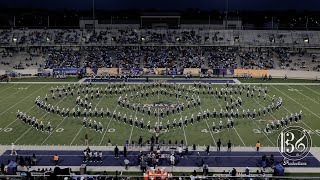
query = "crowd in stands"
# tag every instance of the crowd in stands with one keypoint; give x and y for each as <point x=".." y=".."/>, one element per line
<point x="222" y="58"/>
<point x="196" y="36"/>
<point x="97" y="57"/>
<point x="184" y="53"/>
<point x="159" y="57"/>
<point x="257" y="60"/>
<point x="66" y="58"/>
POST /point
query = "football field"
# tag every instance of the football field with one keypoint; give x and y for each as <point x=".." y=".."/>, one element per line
<point x="69" y="130"/>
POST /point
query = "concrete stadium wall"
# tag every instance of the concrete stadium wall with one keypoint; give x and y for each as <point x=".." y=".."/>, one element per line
<point x="294" y="74"/>
<point x="31" y="72"/>
<point x="278" y="73"/>
<point x="2" y="72"/>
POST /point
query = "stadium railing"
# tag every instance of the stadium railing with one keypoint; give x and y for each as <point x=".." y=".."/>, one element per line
<point x="214" y="176"/>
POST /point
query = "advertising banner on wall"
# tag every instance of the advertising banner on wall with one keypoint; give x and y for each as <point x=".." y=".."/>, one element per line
<point x="160" y="71"/>
<point x="193" y="71"/>
<point x="137" y="70"/>
<point x="223" y="71"/>
<point x="148" y="71"/>
<point x="226" y="71"/>
<point x="104" y="71"/>
<point x="250" y="72"/>
<point x="66" y="70"/>
<point x="91" y="71"/>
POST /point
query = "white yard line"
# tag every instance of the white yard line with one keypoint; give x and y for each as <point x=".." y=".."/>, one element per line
<point x="105" y="132"/>
<point x="133" y="123"/>
<point x="312" y="90"/>
<point x="22" y="136"/>
<point x="6" y="88"/>
<point x="210" y="130"/>
<point x="110" y="119"/>
<point x="233" y="126"/>
<point x="82" y="126"/>
<point x="56" y="127"/>
<point x="13" y="94"/>
<point x="17" y="119"/>
<point x="261" y="119"/>
<point x="22" y="100"/>
<point x="184" y="132"/>
<point x="305" y="96"/>
<point x="301" y="106"/>
<point x="39" y="120"/>
<point x="76" y="135"/>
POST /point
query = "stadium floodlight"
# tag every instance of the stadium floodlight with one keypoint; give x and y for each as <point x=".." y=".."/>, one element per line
<point x="14" y="39"/>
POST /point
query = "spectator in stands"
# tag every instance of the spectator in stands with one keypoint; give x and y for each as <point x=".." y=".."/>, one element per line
<point x="247" y="172"/>
<point x="234" y="172"/>
<point x="86" y="140"/>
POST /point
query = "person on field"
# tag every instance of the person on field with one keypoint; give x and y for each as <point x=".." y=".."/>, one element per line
<point x="229" y="146"/>
<point x="116" y="152"/>
<point x="56" y="159"/>
<point x="86" y="140"/>
<point x="258" y="146"/>
<point x="13" y="149"/>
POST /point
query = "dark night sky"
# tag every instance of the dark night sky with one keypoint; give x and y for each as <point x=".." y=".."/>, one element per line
<point x="166" y="4"/>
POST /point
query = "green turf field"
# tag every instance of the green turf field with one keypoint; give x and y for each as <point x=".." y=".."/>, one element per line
<point x="69" y="131"/>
